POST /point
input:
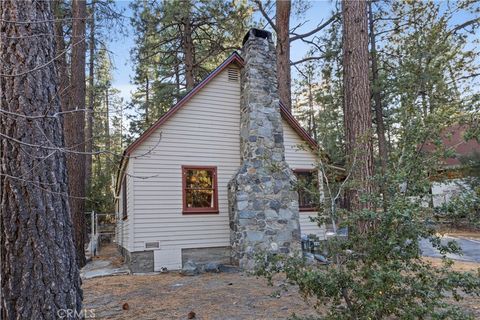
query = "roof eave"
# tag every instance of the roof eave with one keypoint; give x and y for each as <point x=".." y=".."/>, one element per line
<point x="233" y="58"/>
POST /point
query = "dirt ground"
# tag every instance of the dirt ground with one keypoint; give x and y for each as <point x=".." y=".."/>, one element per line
<point x="110" y="252"/>
<point x="464" y="233"/>
<point x="173" y="296"/>
<point x="210" y="296"/>
<point x="457" y="265"/>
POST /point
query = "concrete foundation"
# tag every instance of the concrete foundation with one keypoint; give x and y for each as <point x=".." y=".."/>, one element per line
<point x="201" y="256"/>
<point x="138" y="262"/>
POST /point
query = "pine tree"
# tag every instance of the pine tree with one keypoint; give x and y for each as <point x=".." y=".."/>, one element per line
<point x="178" y="44"/>
<point x="38" y="261"/>
<point x="75" y="128"/>
<point x="356" y="86"/>
<point x="109" y="132"/>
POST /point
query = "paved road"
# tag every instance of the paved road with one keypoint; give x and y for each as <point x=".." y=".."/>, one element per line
<point x="470" y="249"/>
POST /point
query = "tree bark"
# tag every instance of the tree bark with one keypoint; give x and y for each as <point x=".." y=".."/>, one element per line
<point x="188" y="48"/>
<point x="377" y="97"/>
<point x="358" y="122"/>
<point x="75" y="129"/>
<point x="147" y="100"/>
<point x="61" y="62"/>
<point x="311" y="115"/>
<point x="91" y="100"/>
<point x="283" y="52"/>
<point x="39" y="274"/>
<point x="107" y="120"/>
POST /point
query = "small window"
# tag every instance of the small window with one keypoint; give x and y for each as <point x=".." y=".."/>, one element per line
<point x="307" y="182"/>
<point x="200" y="192"/>
<point x="124" y="198"/>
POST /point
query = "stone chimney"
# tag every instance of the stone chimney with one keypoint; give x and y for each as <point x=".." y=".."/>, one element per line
<point x="264" y="213"/>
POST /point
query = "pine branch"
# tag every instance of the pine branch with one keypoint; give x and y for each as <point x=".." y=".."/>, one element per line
<point x="306" y="59"/>
<point x="320" y="27"/>
<point x="265" y="15"/>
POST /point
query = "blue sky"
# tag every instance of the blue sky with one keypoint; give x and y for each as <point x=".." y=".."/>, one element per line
<point x="121" y="45"/>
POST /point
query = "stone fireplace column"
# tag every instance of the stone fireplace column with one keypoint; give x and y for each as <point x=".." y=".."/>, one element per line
<point x="264" y="213"/>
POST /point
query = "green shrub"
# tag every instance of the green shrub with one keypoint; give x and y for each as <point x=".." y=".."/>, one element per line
<point x="379" y="274"/>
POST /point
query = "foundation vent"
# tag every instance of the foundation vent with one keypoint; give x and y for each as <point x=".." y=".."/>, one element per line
<point x="233" y="75"/>
<point x="152" y="245"/>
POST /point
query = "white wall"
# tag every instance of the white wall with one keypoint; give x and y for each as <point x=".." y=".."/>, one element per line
<point x="442" y="192"/>
<point x="123" y="228"/>
<point x="205" y="131"/>
<point x="299" y="157"/>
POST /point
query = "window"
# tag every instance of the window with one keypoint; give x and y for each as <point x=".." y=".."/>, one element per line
<point x="307" y="181"/>
<point x="200" y="191"/>
<point x="124" y="198"/>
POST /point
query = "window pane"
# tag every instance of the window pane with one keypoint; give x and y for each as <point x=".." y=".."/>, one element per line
<point x="307" y="183"/>
<point x="199" y="179"/>
<point x="199" y="198"/>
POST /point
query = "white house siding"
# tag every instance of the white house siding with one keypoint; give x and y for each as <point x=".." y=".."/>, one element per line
<point x="443" y="192"/>
<point x="299" y="157"/>
<point x="119" y="236"/>
<point x="123" y="228"/>
<point x="205" y="131"/>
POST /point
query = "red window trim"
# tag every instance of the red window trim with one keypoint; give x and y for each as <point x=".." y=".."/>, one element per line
<point x="306" y="209"/>
<point x="185" y="209"/>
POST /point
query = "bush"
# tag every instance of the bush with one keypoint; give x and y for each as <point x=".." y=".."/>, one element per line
<point x="379" y="273"/>
<point x="463" y="209"/>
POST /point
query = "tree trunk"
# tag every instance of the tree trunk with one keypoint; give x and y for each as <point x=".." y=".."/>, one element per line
<point x="358" y="122"/>
<point x="188" y="49"/>
<point x="177" y="83"/>
<point x="147" y="101"/>
<point x="376" y="92"/>
<point x="311" y="116"/>
<point x="91" y="100"/>
<point x="282" y="23"/>
<point x="75" y="129"/>
<point x="61" y="62"/>
<point x="39" y="276"/>
<point x="107" y="120"/>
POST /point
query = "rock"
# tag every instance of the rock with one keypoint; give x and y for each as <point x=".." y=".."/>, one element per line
<point x="321" y="259"/>
<point x="241" y="205"/>
<point x="125" y="306"/>
<point x="191" y="315"/>
<point x="190" y="268"/>
<point x="229" y="269"/>
<point x="309" y="257"/>
<point x="212" y="267"/>
<point x="245" y="214"/>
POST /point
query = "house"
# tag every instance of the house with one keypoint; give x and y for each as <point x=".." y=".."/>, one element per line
<point x="213" y="180"/>
<point x="450" y="180"/>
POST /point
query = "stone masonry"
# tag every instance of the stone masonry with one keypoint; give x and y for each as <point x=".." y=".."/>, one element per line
<point x="263" y="203"/>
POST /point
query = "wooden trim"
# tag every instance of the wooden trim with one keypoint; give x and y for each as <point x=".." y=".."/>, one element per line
<point x="124" y="199"/>
<point x="310" y="170"/>
<point x="185" y="209"/>
<point x="234" y="57"/>
<point x="297" y="127"/>
<point x="302" y="209"/>
<point x="305" y="170"/>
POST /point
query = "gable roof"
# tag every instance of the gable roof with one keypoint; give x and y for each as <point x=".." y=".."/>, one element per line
<point x="233" y="58"/>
